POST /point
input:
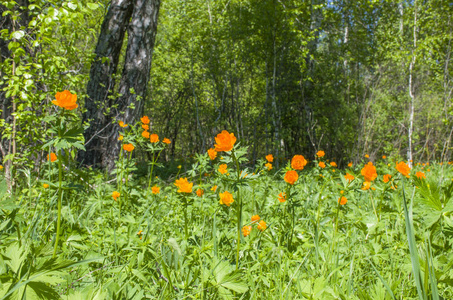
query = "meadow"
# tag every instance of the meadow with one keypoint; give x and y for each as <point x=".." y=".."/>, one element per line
<point x="217" y="227"/>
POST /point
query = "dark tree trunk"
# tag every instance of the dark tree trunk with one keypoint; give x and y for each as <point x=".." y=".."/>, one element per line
<point x="102" y="83"/>
<point x="136" y="73"/>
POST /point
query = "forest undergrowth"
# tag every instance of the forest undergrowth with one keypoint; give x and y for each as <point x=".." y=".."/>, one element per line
<point x="218" y="227"/>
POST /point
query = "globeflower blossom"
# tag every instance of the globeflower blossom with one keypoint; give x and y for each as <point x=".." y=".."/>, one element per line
<point x="166" y="141"/>
<point x="282" y="197"/>
<point x="369" y="172"/>
<point x="212" y="153"/>
<point x="246" y="230"/>
<point x="224" y="141"/>
<point x="122" y="124"/>
<point x="349" y="177"/>
<point x="128" y="147"/>
<point x="321" y="164"/>
<point x="200" y="192"/>
<point x="145" y="127"/>
<point x="298" y="162"/>
<point x="145" y="134"/>
<point x="145" y="120"/>
<point x="53" y="157"/>
<point x="291" y="177"/>
<point x="270" y="158"/>
<point x="342" y="200"/>
<point x="255" y="218"/>
<point x="223" y="169"/>
<point x="183" y="185"/>
<point x="420" y="175"/>
<point x="65" y="100"/>
<point x="366" y="185"/>
<point x="333" y="164"/>
<point x="115" y="195"/>
<point x="268" y="166"/>
<point x="154" y="138"/>
<point x="386" y="178"/>
<point x="226" y="198"/>
<point x="403" y="168"/>
<point x="262" y="226"/>
<point x="350" y="164"/>
<point x="320" y="153"/>
<point x="155" y="190"/>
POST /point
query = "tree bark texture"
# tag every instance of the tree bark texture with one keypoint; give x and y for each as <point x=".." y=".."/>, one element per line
<point x="136" y="73"/>
<point x="102" y="83"/>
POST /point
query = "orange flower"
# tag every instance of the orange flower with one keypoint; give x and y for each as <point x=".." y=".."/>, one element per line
<point x="200" y="192"/>
<point x="268" y="166"/>
<point x="155" y="190"/>
<point x="384" y="157"/>
<point x="45" y="185"/>
<point x="166" y="141"/>
<point x="387" y="178"/>
<point x="120" y="138"/>
<point x="367" y="156"/>
<point x="53" y="157"/>
<point x="145" y="134"/>
<point x="349" y="177"/>
<point x="298" y="162"/>
<point x="255" y="218"/>
<point x="223" y="169"/>
<point x="366" y="185"/>
<point x="128" y="147"/>
<point x="270" y="158"/>
<point x="246" y="230"/>
<point x="214" y="188"/>
<point x="342" y="200"/>
<point x="183" y="185"/>
<point x="420" y="175"/>
<point x="291" y="177"/>
<point x="122" y="124"/>
<point x="262" y="226"/>
<point x="321" y="164"/>
<point x="320" y="153"/>
<point x="224" y="141"/>
<point x="212" y="153"/>
<point x="115" y="195"/>
<point x="145" y="120"/>
<point x="145" y="127"/>
<point x="403" y="168"/>
<point x="65" y="100"/>
<point x="333" y="164"/>
<point x="154" y="138"/>
<point x="226" y="198"/>
<point x="282" y="197"/>
<point x="350" y="164"/>
<point x="369" y="172"/>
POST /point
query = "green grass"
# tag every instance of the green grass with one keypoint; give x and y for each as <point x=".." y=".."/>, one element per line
<point x="384" y="243"/>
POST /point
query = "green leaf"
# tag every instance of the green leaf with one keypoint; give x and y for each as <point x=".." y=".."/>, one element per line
<point x="92" y="6"/>
<point x="18" y="34"/>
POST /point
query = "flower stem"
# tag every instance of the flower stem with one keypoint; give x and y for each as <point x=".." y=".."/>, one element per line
<point x="239" y="215"/>
<point x="60" y="196"/>
<point x="239" y="209"/>
<point x="186" y="232"/>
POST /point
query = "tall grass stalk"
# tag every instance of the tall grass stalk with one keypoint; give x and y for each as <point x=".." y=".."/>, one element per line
<point x="60" y="196"/>
<point x="413" y="246"/>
